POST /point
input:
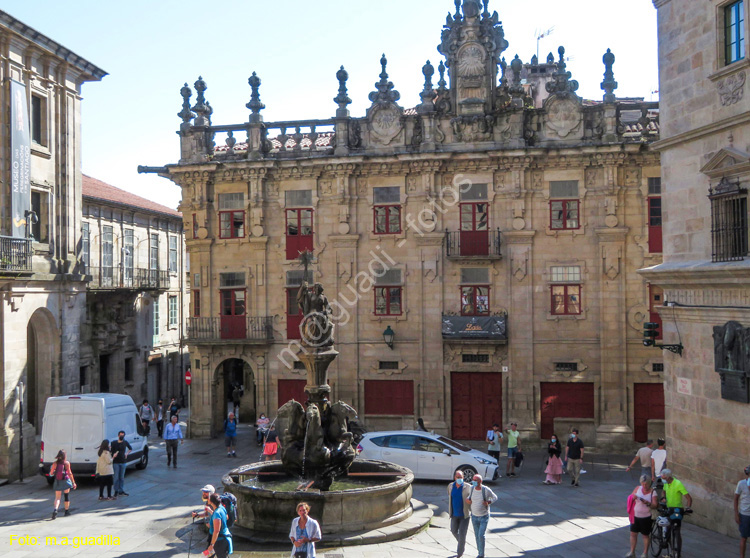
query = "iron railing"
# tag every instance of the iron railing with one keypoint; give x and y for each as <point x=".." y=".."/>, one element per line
<point x="104" y="277"/>
<point x="230" y="328"/>
<point x="473" y="244"/>
<point x="729" y="222"/>
<point x="15" y="254"/>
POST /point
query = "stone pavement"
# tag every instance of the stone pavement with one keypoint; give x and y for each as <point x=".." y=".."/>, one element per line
<point x="529" y="520"/>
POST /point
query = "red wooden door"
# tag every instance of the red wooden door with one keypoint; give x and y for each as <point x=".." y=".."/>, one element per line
<point x="293" y="315"/>
<point x="648" y="404"/>
<point x="654" y="225"/>
<point x="565" y="400"/>
<point x="299" y="232"/>
<point x="475" y="239"/>
<point x="292" y="389"/>
<point x="233" y="319"/>
<point x="477" y="403"/>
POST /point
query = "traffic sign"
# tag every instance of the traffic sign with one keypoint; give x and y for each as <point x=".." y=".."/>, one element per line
<point x="188" y="377"/>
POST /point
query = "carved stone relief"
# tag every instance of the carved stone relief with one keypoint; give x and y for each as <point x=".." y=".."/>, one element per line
<point x="385" y="123"/>
<point x="563" y="117"/>
<point x="731" y="89"/>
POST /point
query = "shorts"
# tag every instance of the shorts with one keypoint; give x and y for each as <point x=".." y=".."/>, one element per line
<point x="230" y="441"/>
<point x="512" y="452"/>
<point x="494" y="453"/>
<point x="745" y="526"/>
<point x="270" y="448"/>
<point x="642" y="525"/>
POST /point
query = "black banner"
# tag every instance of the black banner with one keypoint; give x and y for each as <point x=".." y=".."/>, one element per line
<point x="475" y="327"/>
<point x="20" y="162"/>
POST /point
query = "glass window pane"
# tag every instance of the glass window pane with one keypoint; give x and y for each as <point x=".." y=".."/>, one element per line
<point x="380" y="213"/>
<point x="394" y="220"/>
<point x="238" y="224"/>
<point x="574" y="299"/>
<point x="292" y="222"/>
<point x="395" y="301"/>
<point x="306" y="222"/>
<point x="481" y="219"/>
<point x="483" y="300"/>
<point x="467" y="300"/>
<point x="381" y="303"/>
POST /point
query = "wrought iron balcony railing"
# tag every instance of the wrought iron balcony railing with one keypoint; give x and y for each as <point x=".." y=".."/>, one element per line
<point x="230" y="328"/>
<point x="15" y="254"/>
<point x="123" y="278"/>
<point x="473" y="244"/>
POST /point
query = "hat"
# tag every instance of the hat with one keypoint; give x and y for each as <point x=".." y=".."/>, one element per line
<point x="208" y="488"/>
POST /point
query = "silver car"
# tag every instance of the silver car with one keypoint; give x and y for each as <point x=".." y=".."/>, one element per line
<point x="429" y="456"/>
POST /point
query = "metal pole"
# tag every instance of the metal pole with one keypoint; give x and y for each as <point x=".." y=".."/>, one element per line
<point x="19" y="394"/>
<point x="190" y="414"/>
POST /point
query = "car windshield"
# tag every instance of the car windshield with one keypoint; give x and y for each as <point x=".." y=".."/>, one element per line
<point x="454" y="444"/>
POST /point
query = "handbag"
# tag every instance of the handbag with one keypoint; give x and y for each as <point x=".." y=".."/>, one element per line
<point x="300" y="554"/>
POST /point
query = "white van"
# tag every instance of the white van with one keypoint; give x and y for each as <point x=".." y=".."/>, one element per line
<point x="79" y="423"/>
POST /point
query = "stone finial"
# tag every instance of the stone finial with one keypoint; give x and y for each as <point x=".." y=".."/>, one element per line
<point x="486" y="12"/>
<point x="550" y="58"/>
<point x="385" y="92"/>
<point x="428" y="94"/>
<point x="471" y="8"/>
<point x="442" y="84"/>
<point x="186" y="114"/>
<point x="609" y="84"/>
<point x="562" y="85"/>
<point x="342" y="98"/>
<point x="255" y="105"/>
<point x="201" y="109"/>
<point x="457" y="17"/>
<point x="503" y="73"/>
<point x="516" y="66"/>
<point x="516" y="89"/>
<point x="535" y="60"/>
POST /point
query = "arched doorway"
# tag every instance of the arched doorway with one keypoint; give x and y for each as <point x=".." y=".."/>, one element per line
<point x="231" y="373"/>
<point x="42" y="349"/>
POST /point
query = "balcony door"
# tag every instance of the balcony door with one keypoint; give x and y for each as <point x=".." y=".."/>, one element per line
<point x="233" y="319"/>
<point x="474" y="240"/>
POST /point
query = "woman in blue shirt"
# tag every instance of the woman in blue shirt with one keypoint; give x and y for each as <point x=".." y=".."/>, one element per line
<point x="221" y="538"/>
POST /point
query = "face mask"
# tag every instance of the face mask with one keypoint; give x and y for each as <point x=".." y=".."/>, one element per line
<point x="459" y="482"/>
<point x="474" y="483"/>
<point x="554" y="440"/>
<point x="572" y="435"/>
<point x="121" y="437"/>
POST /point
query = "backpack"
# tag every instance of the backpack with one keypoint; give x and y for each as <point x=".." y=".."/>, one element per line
<point x="230" y="504"/>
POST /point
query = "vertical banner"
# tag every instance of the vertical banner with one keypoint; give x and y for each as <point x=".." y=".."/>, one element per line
<point x="20" y="169"/>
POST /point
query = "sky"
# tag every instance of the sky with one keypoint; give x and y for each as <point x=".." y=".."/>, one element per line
<point x="150" y="48"/>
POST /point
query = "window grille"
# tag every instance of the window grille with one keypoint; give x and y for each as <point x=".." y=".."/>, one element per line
<point x="654" y="186"/>
<point x="231" y="279"/>
<point x="566" y="367"/>
<point x="473" y="192"/>
<point x="563" y="189"/>
<point x="231" y="201"/>
<point x="475" y="359"/>
<point x="566" y="274"/>
<point x="389" y="277"/>
<point x="389" y="194"/>
<point x="388" y="365"/>
<point x="298" y="198"/>
<point x="729" y="230"/>
<point x="475" y="276"/>
<point x="657" y="367"/>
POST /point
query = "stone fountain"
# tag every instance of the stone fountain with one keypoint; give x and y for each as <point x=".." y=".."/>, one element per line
<point x="317" y="453"/>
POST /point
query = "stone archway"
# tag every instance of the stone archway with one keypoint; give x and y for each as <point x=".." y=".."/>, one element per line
<point x="41" y="376"/>
<point x="230" y="372"/>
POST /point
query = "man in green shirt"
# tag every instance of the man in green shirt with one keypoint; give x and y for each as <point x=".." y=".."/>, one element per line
<point x="677" y="499"/>
<point x="514" y="446"/>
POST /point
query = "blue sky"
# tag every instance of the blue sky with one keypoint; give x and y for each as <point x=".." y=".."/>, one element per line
<point x="150" y="48"/>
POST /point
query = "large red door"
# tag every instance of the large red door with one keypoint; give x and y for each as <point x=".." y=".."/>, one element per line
<point x="233" y="319"/>
<point x="477" y="403"/>
<point x="565" y="400"/>
<point x="648" y="404"/>
<point x="292" y="389"/>
<point x="475" y="240"/>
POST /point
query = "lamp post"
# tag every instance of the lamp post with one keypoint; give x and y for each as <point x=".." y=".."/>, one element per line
<point x="388" y="336"/>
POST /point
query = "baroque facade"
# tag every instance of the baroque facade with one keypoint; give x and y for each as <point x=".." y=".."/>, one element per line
<point x="136" y="305"/>
<point x="480" y="251"/>
<point x="705" y="153"/>
<point x="43" y="285"/>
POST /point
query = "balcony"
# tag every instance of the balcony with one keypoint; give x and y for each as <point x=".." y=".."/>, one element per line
<point x="15" y="255"/>
<point x="113" y="278"/>
<point x="473" y="245"/>
<point x="230" y="329"/>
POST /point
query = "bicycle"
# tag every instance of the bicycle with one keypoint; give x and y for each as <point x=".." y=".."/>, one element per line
<point x="664" y="534"/>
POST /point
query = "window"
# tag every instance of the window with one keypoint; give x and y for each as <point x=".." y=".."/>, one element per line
<point x="387" y="210"/>
<point x="127" y="256"/>
<point x="86" y="246"/>
<point x="566" y="298"/>
<point x="156" y="316"/>
<point x="388" y="365"/>
<point x="173" y="254"/>
<point x="232" y="279"/>
<point x="734" y="32"/>
<point x="128" y="369"/>
<point x="656" y="299"/>
<point x="388" y="294"/>
<point x="39" y="120"/>
<point x="654" y="216"/>
<point x="475" y="359"/>
<point x="153" y="262"/>
<point x="172" y="303"/>
<point x="657" y="367"/>
<point x="564" y="212"/>
<point x="107" y="256"/>
<point x="299" y="223"/>
<point x="40" y="206"/>
<point x="299" y="365"/>
<point x="475" y="291"/>
<point x="566" y="367"/>
<point x="389" y="397"/>
<point x="196" y="303"/>
<point x="196" y="280"/>
<point x="232" y="224"/>
<point x="729" y="230"/>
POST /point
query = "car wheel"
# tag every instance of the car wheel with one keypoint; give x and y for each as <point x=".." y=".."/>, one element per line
<point x="50" y="480"/>
<point x="143" y="463"/>
<point x="468" y="472"/>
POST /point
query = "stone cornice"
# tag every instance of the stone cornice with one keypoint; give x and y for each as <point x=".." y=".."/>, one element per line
<point x="518" y="237"/>
<point x="659" y="3"/>
<point x="697" y="133"/>
<point x="698" y="273"/>
<point x="610" y="235"/>
<point x="343" y="240"/>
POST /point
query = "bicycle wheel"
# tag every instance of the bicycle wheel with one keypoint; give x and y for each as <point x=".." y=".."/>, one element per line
<point x="656" y="544"/>
<point x="673" y="551"/>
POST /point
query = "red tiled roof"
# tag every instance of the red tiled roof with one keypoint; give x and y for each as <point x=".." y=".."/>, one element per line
<point x="96" y="189"/>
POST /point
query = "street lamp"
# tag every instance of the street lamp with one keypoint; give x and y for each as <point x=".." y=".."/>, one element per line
<point x="388" y="336"/>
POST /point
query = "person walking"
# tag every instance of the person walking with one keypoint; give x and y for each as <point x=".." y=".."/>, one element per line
<point x="742" y="510"/>
<point x="271" y="445"/>
<point x="514" y="446"/>
<point x="305" y="532"/>
<point x="236" y="397"/>
<point x="658" y="459"/>
<point x="146" y="413"/>
<point x="574" y="456"/>
<point x="230" y="435"/>
<point x="160" y="418"/>
<point x="206" y="492"/>
<point x="644" y="455"/>
<point x="220" y="543"/>
<point x="261" y="427"/>
<point x="174" y="408"/>
<point x="645" y="501"/>
<point x="459" y="510"/>
<point x="121" y="448"/>
<point x="554" y="465"/>
<point x="104" y="470"/>
<point x="173" y="434"/>
<point x="64" y="481"/>
<point x="494" y="438"/>
<point x="480" y="500"/>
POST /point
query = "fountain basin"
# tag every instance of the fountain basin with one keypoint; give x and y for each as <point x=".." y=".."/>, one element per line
<point x="265" y="514"/>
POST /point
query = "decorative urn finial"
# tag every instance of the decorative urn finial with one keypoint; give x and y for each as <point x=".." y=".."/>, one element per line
<point x="255" y="105"/>
<point x="609" y="84"/>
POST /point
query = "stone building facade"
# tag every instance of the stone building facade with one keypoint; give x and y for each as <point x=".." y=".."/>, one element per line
<point x="495" y="230"/>
<point x="705" y="153"/>
<point x="136" y="304"/>
<point x="43" y="285"/>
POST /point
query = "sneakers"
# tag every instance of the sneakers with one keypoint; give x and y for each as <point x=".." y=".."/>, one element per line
<point x="229" y="455"/>
<point x="124" y="494"/>
<point x="572" y="482"/>
<point x="234" y="454"/>
<point x="644" y="555"/>
<point x="577" y="485"/>
<point x="67" y="513"/>
<point x="54" y="514"/>
<point x="629" y="555"/>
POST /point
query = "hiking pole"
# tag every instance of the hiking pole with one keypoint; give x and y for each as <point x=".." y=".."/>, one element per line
<point x="190" y="544"/>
